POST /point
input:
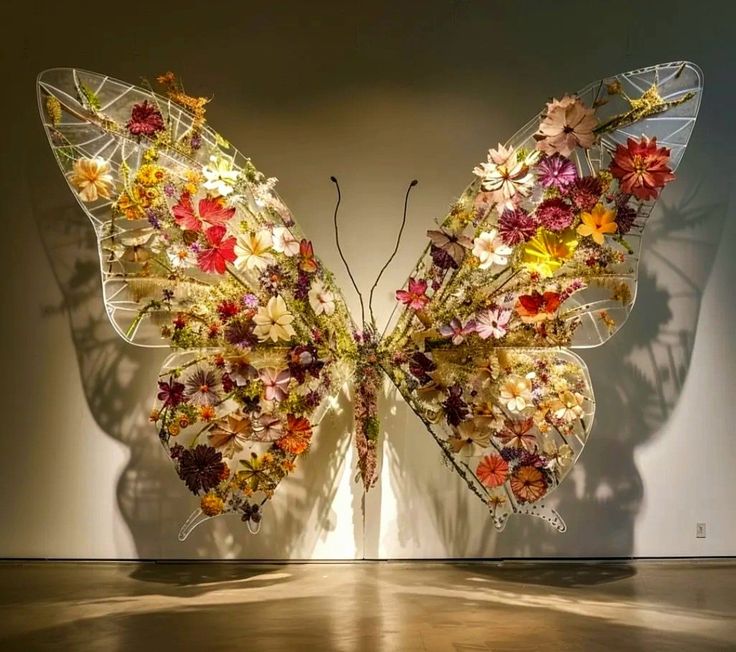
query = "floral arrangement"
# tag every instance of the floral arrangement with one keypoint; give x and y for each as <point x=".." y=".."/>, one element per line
<point x="199" y="254"/>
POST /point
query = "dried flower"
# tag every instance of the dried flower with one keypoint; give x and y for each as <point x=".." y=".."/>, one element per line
<point x="555" y="214"/>
<point x="516" y="226"/>
<point x="273" y="322"/>
<point x="201" y="468"/>
<point x="492" y="323"/>
<point x="92" y="179"/>
<point x="556" y="171"/>
<point x="597" y="223"/>
<point x="490" y="249"/>
<point x="321" y="299"/>
<point x="507" y="176"/>
<point x="415" y="296"/>
<point x="492" y="471"/>
<point x="641" y="167"/>
<point x="567" y="124"/>
<point x="145" y="120"/>
<point x="253" y="250"/>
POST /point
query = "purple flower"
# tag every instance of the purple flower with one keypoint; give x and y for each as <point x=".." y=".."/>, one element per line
<point x="250" y="300"/>
<point x="420" y="366"/>
<point x="556" y="171"/>
<point x="625" y="214"/>
<point x="170" y="393"/>
<point x="457" y="331"/>
<point x="554" y="214"/>
<point x="456" y="409"/>
<point x="516" y="226"/>
<point x="240" y="333"/>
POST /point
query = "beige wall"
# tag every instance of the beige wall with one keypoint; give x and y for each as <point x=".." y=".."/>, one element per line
<point x="376" y="94"/>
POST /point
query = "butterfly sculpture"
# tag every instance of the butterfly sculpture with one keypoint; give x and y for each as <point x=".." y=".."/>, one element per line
<point x="538" y="256"/>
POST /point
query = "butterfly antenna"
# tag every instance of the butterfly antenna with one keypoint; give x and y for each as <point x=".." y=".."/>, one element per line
<point x="396" y="248"/>
<point x="339" y="249"/>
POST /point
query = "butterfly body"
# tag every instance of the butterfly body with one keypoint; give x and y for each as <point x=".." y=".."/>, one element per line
<point x="536" y="257"/>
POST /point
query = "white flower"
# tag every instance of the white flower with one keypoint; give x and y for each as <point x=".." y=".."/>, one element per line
<point x="181" y="256"/>
<point x="507" y="177"/>
<point x="492" y="323"/>
<point x="274" y="321"/>
<point x="568" y="406"/>
<point x="253" y="250"/>
<point x="220" y="176"/>
<point x="321" y="299"/>
<point x="92" y="179"/>
<point x="516" y="393"/>
<point x="490" y="249"/>
<point x="284" y="242"/>
<point x="263" y="192"/>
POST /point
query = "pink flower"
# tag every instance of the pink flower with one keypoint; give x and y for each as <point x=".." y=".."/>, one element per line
<point x="554" y="214"/>
<point x="275" y="383"/>
<point x="492" y="323"/>
<point x="516" y="226"/>
<point x="221" y="251"/>
<point x="457" y="331"/>
<point x="556" y="171"/>
<point x="567" y="124"/>
<point x="415" y="297"/>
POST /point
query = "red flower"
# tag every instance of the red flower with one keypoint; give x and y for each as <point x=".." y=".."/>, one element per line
<point x="492" y="470"/>
<point x="641" y="167"/>
<point x="211" y="210"/>
<point x="536" y="306"/>
<point x="220" y="251"/>
<point x="415" y="297"/>
<point x="145" y="120"/>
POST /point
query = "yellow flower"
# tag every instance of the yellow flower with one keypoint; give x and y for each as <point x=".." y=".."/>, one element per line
<point x="597" y="223"/>
<point x="212" y="504"/>
<point x="274" y="321"/>
<point x="150" y="174"/>
<point x="92" y="179"/>
<point x="546" y="251"/>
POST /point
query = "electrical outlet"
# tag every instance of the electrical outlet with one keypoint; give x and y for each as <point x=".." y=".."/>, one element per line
<point x="700" y="530"/>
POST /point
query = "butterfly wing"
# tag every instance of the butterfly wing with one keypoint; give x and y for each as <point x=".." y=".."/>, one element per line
<point x="539" y="255"/>
<point x="198" y="253"/>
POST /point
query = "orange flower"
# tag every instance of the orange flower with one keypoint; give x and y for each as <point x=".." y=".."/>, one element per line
<point x="597" y="223"/>
<point x="297" y="437"/>
<point x="641" y="167"/>
<point x="528" y="484"/>
<point x="207" y="412"/>
<point x="92" y="179"/>
<point x="492" y="470"/>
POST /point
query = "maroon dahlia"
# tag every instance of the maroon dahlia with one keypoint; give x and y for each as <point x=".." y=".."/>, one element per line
<point x="555" y="214"/>
<point x="516" y="226"/>
<point x="585" y="193"/>
<point x="201" y="468"/>
<point x="145" y="120"/>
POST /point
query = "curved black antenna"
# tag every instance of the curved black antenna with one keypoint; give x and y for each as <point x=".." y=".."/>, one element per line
<point x="396" y="248"/>
<point x="339" y="249"/>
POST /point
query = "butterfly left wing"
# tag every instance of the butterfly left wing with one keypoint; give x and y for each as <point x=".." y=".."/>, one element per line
<point x="537" y="256"/>
<point x="198" y="253"/>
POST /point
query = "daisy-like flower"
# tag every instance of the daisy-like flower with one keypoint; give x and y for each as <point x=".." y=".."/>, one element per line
<point x="490" y="249"/>
<point x="492" y="471"/>
<point x="218" y="253"/>
<point x="275" y="383"/>
<point x="546" y="252"/>
<point x="219" y="176"/>
<point x="515" y="434"/>
<point x="201" y="468"/>
<point x="516" y="226"/>
<point x="415" y="296"/>
<point x="568" y="406"/>
<point x="506" y="176"/>
<point x="641" y="167"/>
<point x="597" y="223"/>
<point x="180" y="256"/>
<point x="273" y="321"/>
<point x="492" y="323"/>
<point x="229" y="435"/>
<point x="145" y="120"/>
<point x="515" y="393"/>
<point x="457" y="331"/>
<point x="556" y="171"/>
<point x="284" y="242"/>
<point x="92" y="179"/>
<point x="321" y="299"/>
<point x="528" y="483"/>
<point x="253" y="250"/>
<point x="203" y="387"/>
<point x="567" y="124"/>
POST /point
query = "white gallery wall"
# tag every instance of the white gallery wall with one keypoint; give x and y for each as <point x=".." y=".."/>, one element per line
<point x="377" y="96"/>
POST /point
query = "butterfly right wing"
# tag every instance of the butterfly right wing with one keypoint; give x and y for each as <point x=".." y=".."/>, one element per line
<point x="198" y="253"/>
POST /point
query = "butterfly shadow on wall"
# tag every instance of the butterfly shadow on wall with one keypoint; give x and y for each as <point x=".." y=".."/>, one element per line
<point x="116" y="381"/>
<point x="638" y="377"/>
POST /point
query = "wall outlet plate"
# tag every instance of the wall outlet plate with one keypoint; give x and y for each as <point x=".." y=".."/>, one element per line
<point x="700" y="530"/>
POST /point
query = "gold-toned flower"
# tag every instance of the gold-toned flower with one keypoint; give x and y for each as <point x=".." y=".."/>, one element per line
<point x="92" y="179"/>
<point x="212" y="504"/>
<point x="568" y="406"/>
<point x="559" y="457"/>
<point x="515" y="393"/>
<point x="546" y="252"/>
<point x="273" y="321"/>
<point x="597" y="223"/>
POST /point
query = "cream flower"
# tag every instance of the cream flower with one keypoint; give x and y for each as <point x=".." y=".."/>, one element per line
<point x="284" y="242"/>
<point x="220" y="176"/>
<point x="506" y="176"/>
<point x="490" y="249"/>
<point x="568" y="406"/>
<point x="567" y="124"/>
<point x="321" y="299"/>
<point x="516" y="393"/>
<point x="559" y="457"/>
<point x="92" y="179"/>
<point x="273" y="322"/>
<point x="253" y="250"/>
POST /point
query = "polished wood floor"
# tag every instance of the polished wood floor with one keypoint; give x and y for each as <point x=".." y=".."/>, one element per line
<point x="459" y="607"/>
